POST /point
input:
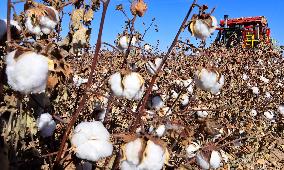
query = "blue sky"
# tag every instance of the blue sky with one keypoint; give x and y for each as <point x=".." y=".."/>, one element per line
<point x="170" y="13"/>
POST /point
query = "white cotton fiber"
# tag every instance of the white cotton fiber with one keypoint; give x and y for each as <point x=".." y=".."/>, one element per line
<point x="153" y="67"/>
<point x="209" y="80"/>
<point x="34" y="29"/>
<point x="281" y="109"/>
<point x="46" y="125"/>
<point x="28" y="73"/>
<point x="160" y="131"/>
<point x="133" y="85"/>
<point x="91" y="140"/>
<point x="116" y="84"/>
<point x="191" y="149"/>
<point x="157" y="102"/>
<point x="201" y="30"/>
<point x="215" y="159"/>
<point x="154" y="158"/>
<point x="124" y="41"/>
<point x="132" y="151"/>
<point x="3" y="27"/>
<point x="201" y="161"/>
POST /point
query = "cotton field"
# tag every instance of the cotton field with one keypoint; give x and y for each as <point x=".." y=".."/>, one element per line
<point x="70" y="103"/>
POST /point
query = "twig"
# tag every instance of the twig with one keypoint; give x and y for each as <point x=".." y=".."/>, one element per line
<point x="89" y="83"/>
<point x="143" y="102"/>
<point x="8" y="24"/>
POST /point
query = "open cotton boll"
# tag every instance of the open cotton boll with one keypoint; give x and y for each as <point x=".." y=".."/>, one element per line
<point x="245" y="77"/>
<point x="201" y="113"/>
<point x="78" y="80"/>
<point x="124" y="41"/>
<point x="255" y="90"/>
<point x="214" y="161"/>
<point x="160" y="131"/>
<point x="34" y="29"/>
<point x="3" y="28"/>
<point x="154" y="157"/>
<point x="115" y="84"/>
<point x="184" y="100"/>
<point x="253" y="112"/>
<point x="142" y="155"/>
<point x="133" y="84"/>
<point x="263" y="79"/>
<point x="91" y="140"/>
<point x="27" y="72"/>
<point x="153" y="67"/>
<point x="156" y="102"/>
<point x="214" y="24"/>
<point x="191" y="149"/>
<point x="201" y="30"/>
<point x="46" y="125"/>
<point x="281" y="109"/>
<point x="209" y="80"/>
<point x="147" y="47"/>
<point x="269" y="114"/>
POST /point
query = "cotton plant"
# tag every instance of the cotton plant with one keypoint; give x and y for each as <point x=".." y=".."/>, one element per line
<point x="41" y="19"/>
<point x="141" y="154"/>
<point x="153" y="67"/>
<point x="91" y="141"/>
<point x="27" y="71"/>
<point x="129" y="85"/>
<point x="46" y="125"/>
<point x="209" y="80"/>
<point x="202" y="26"/>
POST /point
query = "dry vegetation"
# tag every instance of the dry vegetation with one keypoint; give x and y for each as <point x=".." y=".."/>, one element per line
<point x="236" y="122"/>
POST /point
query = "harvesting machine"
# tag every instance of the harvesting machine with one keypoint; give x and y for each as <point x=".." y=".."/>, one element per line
<point x="247" y="31"/>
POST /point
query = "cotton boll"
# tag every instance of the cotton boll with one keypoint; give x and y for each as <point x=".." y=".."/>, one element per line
<point x="93" y="150"/>
<point x="133" y="84"/>
<point x="210" y="81"/>
<point x="124" y="41"/>
<point x="245" y="77"/>
<point x="263" y="79"/>
<point x="27" y="72"/>
<point x="125" y="165"/>
<point x="215" y="160"/>
<point x="147" y="47"/>
<point x="132" y="151"/>
<point x="153" y="67"/>
<point x="184" y="100"/>
<point x="50" y="20"/>
<point x="157" y="102"/>
<point x="201" y="161"/>
<point x="200" y="30"/>
<point x="46" y="125"/>
<point x="34" y="29"/>
<point x="253" y="112"/>
<point x="269" y="115"/>
<point x="202" y="114"/>
<point x="267" y="95"/>
<point x="115" y="84"/>
<point x="161" y="130"/>
<point x="191" y="149"/>
<point x="214" y="24"/>
<point x="78" y="80"/>
<point x="3" y="28"/>
<point x="255" y="90"/>
<point x="174" y="94"/>
<point x="281" y="109"/>
<point x="154" y="157"/>
<point x="91" y="140"/>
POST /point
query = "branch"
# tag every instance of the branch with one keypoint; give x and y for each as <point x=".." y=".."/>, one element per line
<point x="89" y="83"/>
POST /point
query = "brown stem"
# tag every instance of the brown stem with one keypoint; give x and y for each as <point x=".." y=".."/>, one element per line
<point x="89" y="83"/>
<point x="8" y="24"/>
<point x="144" y="100"/>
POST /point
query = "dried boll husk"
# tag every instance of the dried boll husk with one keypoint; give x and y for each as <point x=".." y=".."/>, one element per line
<point x="138" y="7"/>
<point x="202" y="27"/>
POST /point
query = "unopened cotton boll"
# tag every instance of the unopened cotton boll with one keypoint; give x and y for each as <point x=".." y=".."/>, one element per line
<point x="209" y="80"/>
<point x="269" y="114"/>
<point x="91" y="140"/>
<point x="27" y="72"/>
<point x="214" y="160"/>
<point x="42" y="19"/>
<point x="46" y="125"/>
<point x="281" y="109"/>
